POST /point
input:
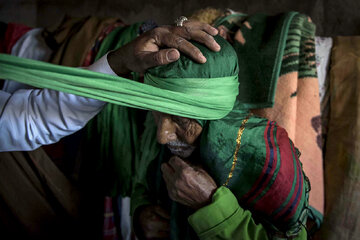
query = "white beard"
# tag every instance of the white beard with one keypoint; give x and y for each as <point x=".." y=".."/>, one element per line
<point x="181" y="149"/>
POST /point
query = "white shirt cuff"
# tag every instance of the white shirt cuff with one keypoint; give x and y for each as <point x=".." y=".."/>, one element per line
<point x="102" y="66"/>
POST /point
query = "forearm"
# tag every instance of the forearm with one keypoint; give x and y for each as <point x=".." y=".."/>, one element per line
<point x="225" y="219"/>
<point x="34" y="117"/>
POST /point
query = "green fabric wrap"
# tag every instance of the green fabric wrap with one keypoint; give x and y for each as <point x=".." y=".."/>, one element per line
<point x="215" y="79"/>
<point x="218" y="64"/>
<point x="110" y="89"/>
<point x="221" y="88"/>
<point x="210" y="80"/>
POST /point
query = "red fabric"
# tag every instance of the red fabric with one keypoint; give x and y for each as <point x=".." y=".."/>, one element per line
<point x="109" y="229"/>
<point x="90" y="57"/>
<point x="14" y="32"/>
<point x="280" y="189"/>
<point x="294" y="202"/>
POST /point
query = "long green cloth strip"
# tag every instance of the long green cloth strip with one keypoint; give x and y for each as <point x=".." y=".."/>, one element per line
<point x="196" y="86"/>
<point x="122" y="91"/>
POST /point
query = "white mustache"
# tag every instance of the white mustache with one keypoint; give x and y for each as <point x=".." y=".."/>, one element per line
<point x="180" y="149"/>
<point x="177" y="144"/>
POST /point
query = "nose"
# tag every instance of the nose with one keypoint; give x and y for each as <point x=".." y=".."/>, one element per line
<point x="166" y="130"/>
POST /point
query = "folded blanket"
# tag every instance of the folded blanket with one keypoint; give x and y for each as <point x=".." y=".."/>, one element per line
<point x="282" y="83"/>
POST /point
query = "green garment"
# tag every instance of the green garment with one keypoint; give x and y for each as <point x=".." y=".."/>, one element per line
<point x="267" y="168"/>
<point x="115" y="130"/>
<point x="117" y="90"/>
<point x="277" y="196"/>
<point x="112" y="135"/>
<point x="257" y="161"/>
<point x="114" y="147"/>
<point x="225" y="219"/>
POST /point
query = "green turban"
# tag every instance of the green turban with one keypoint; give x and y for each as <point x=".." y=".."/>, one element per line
<point x="215" y="81"/>
<point x="193" y="95"/>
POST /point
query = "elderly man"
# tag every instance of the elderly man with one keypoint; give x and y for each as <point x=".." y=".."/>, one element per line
<point x="248" y="155"/>
<point x="208" y="92"/>
<point x="34" y="117"/>
<point x="62" y="114"/>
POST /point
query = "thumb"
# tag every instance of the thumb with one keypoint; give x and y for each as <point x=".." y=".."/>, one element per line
<point x="161" y="57"/>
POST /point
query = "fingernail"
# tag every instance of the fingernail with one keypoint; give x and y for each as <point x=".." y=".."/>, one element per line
<point x="215" y="31"/>
<point x="202" y="58"/>
<point x="172" y="55"/>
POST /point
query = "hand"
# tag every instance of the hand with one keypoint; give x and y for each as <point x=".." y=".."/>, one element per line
<point x="147" y="50"/>
<point x="188" y="185"/>
<point x="152" y="221"/>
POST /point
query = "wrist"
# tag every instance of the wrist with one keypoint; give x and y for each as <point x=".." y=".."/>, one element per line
<point x="210" y="194"/>
<point x="117" y="62"/>
<point x="207" y="198"/>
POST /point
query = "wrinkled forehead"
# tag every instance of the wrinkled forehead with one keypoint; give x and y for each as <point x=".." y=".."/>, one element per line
<point x="158" y="115"/>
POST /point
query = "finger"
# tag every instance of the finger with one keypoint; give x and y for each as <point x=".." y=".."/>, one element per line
<point x="162" y="212"/>
<point x="184" y="46"/>
<point x="162" y="57"/>
<point x="206" y="39"/>
<point x="222" y="32"/>
<point x="209" y="29"/>
<point x="196" y="25"/>
<point x="168" y="173"/>
<point x="177" y="163"/>
<point x="167" y="168"/>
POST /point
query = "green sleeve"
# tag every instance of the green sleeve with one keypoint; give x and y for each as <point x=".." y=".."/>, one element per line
<point x="225" y="219"/>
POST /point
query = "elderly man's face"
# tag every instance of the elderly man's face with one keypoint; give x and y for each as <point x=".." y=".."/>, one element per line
<point x="178" y="133"/>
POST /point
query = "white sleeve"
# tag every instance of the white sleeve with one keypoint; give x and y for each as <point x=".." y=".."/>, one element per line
<point x="34" y="117"/>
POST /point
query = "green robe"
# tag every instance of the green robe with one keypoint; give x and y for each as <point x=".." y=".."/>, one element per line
<point x="224" y="218"/>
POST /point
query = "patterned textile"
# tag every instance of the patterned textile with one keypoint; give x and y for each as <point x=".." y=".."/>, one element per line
<point x="258" y="162"/>
<point x="342" y="153"/>
<point x="109" y="229"/>
<point x="297" y="104"/>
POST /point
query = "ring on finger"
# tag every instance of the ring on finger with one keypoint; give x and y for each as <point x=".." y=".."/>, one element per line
<point x="180" y="21"/>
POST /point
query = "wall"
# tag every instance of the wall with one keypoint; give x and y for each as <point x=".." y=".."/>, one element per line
<point x="333" y="17"/>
